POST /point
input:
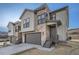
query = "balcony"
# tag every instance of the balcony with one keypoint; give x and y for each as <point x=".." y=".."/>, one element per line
<point x="53" y="22"/>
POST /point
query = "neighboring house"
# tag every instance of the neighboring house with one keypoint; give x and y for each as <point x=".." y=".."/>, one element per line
<point x="44" y="27"/>
<point x="14" y="31"/>
<point x="11" y="31"/>
<point x="17" y="32"/>
<point x="73" y="33"/>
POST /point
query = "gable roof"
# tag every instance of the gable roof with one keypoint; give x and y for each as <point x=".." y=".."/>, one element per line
<point x="10" y="23"/>
<point x="25" y="11"/>
<point x="60" y="9"/>
<point x="39" y="8"/>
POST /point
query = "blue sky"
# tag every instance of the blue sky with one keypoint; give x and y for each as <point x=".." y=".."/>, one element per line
<point x="12" y="12"/>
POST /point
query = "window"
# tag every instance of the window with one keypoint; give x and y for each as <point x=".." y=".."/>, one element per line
<point x="42" y="18"/>
<point x="39" y="17"/>
<point x="26" y="23"/>
<point x="45" y="14"/>
<point x="54" y="17"/>
<point x="16" y="30"/>
<point x="19" y="28"/>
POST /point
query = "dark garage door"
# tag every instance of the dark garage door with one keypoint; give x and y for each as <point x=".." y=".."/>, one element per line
<point x="33" y="38"/>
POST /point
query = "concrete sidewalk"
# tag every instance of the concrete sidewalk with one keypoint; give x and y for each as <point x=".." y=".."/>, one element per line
<point x="21" y="47"/>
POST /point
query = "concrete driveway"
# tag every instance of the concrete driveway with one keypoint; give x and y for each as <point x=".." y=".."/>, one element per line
<point x="70" y="48"/>
<point x="13" y="49"/>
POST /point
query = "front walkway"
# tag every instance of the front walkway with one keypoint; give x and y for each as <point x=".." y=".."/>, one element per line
<point x="19" y="48"/>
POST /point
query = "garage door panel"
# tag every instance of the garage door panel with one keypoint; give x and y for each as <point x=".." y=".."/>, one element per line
<point x="34" y="38"/>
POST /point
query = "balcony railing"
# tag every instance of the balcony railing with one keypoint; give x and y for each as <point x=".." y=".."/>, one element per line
<point x="58" y="22"/>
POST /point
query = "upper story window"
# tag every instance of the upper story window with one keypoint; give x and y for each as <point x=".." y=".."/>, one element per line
<point x="19" y="28"/>
<point x="26" y="23"/>
<point x="16" y="29"/>
<point x="42" y="18"/>
<point x="39" y="17"/>
<point x="53" y="16"/>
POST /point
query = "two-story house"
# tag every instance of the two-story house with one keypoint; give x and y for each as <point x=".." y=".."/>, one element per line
<point x="44" y="27"/>
<point x="14" y="32"/>
<point x="11" y="29"/>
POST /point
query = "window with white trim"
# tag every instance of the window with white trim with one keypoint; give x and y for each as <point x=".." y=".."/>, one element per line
<point x="26" y="23"/>
<point x="42" y="18"/>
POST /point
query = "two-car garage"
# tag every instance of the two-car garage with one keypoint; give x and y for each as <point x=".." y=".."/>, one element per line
<point x="33" y="38"/>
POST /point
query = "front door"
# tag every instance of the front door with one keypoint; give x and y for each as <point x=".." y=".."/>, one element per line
<point x="53" y="33"/>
